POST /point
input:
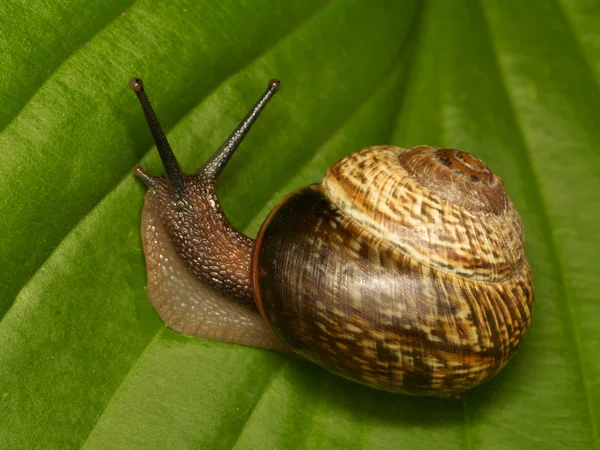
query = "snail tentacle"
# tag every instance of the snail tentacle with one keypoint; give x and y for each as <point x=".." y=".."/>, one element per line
<point x="172" y="169"/>
<point x="213" y="167"/>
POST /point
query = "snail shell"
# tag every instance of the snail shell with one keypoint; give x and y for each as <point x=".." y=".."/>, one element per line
<point x="404" y="270"/>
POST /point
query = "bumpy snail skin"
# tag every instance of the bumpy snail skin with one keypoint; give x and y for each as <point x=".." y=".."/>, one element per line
<point x="193" y="288"/>
<point x="387" y="316"/>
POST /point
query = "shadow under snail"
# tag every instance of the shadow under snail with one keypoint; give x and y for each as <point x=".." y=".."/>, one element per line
<point x="404" y="270"/>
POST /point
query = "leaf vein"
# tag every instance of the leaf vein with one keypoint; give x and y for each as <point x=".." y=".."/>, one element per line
<point x="579" y="42"/>
<point x="54" y="71"/>
<point x="550" y="238"/>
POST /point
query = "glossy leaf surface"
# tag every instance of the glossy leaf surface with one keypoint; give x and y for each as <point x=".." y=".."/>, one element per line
<point x="85" y="361"/>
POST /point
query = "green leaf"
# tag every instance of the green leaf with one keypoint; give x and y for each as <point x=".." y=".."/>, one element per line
<point x="84" y="359"/>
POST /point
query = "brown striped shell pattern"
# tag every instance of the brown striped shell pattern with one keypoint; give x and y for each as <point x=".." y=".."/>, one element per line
<point x="404" y="270"/>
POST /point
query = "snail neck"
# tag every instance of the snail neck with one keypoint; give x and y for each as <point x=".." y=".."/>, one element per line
<point x="210" y="247"/>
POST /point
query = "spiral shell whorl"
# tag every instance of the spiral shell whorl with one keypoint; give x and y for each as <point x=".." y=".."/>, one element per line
<point x="442" y="207"/>
<point x="360" y="307"/>
<point x="457" y="177"/>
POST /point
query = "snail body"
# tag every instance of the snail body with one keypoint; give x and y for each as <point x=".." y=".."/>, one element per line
<point x="402" y="270"/>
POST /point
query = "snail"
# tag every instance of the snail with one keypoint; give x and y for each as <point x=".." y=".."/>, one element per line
<point x="403" y="270"/>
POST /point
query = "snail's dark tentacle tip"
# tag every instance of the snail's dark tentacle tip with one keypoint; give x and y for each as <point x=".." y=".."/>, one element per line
<point x="274" y="85"/>
<point x="148" y="180"/>
<point x="136" y="84"/>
